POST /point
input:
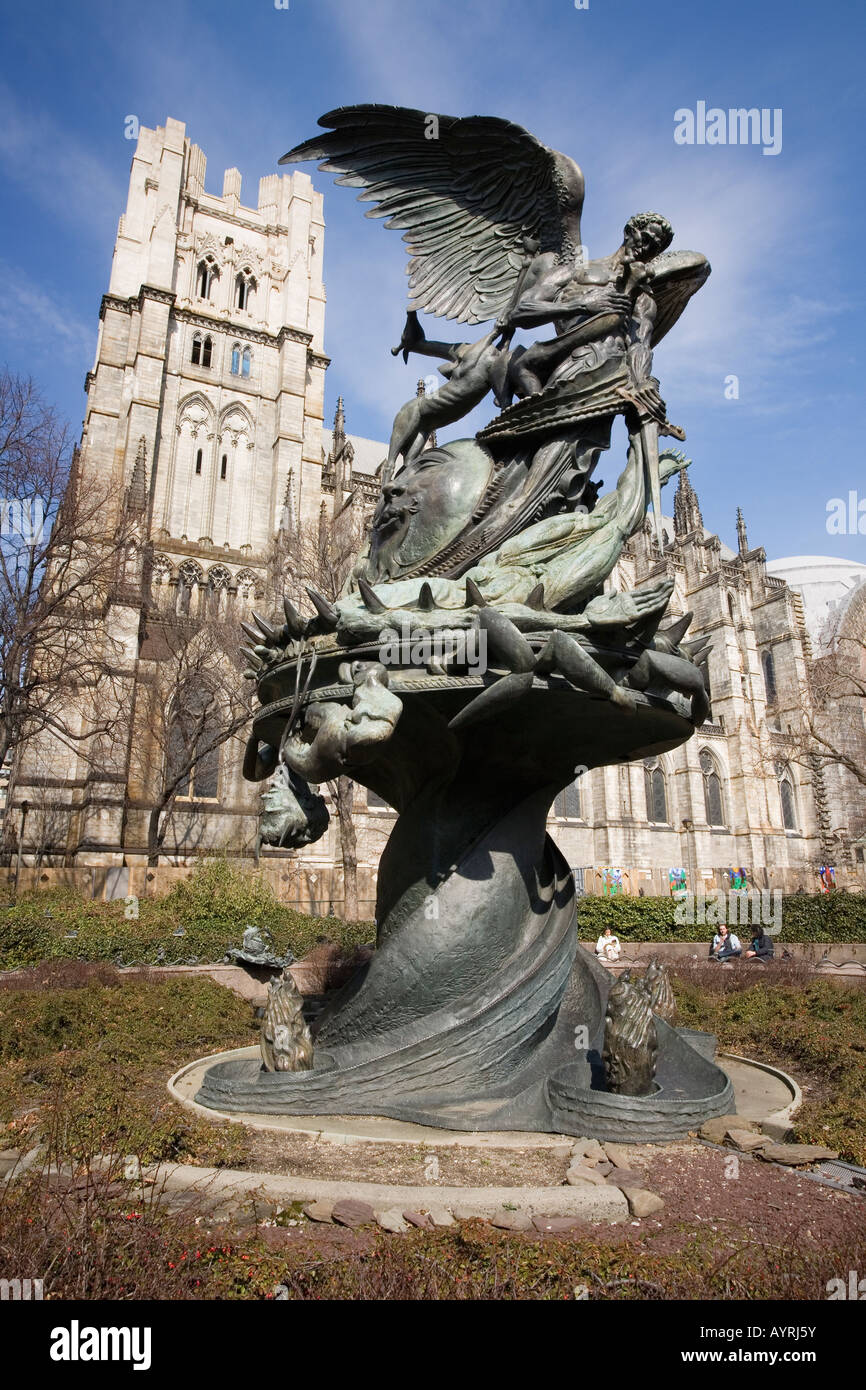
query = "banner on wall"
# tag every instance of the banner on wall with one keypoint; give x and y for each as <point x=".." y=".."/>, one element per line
<point x="611" y="882"/>
<point x="739" y="880"/>
<point x="828" y="878"/>
<point x="677" y="881"/>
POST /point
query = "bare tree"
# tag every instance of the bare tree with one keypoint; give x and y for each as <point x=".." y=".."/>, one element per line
<point x="831" y="729"/>
<point x="193" y="701"/>
<point x="322" y="557"/>
<point x="63" y="547"/>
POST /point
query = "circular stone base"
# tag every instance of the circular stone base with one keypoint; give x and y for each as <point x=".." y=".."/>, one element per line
<point x="761" y="1093"/>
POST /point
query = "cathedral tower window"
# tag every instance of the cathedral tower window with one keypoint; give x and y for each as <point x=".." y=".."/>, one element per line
<point x="206" y="351"/>
<point x="193" y="755"/>
<point x="196" y="349"/>
<point x="244" y="286"/>
<point x="198" y="459"/>
<point x="246" y="358"/>
<point x="567" y="804"/>
<point x="206" y="276"/>
<point x="787" y="799"/>
<point x="224" y="465"/>
<point x="656" y="792"/>
<point x="769" y="666"/>
<point x="236" y="359"/>
<point x="713" y="802"/>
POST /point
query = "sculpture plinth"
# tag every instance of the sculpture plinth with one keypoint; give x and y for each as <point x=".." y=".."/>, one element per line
<point x="479" y="1010"/>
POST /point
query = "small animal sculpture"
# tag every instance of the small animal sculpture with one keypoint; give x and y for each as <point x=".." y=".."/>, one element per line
<point x="630" y="1041"/>
<point x="285" y="1040"/>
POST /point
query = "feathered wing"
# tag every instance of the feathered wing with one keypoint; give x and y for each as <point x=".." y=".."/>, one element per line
<point x="677" y="275"/>
<point x="464" y="192"/>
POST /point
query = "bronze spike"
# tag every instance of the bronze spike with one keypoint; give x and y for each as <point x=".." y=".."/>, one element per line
<point x="426" y="601"/>
<point x="264" y="626"/>
<point x="329" y="616"/>
<point x="371" y="599"/>
<point x="251" y="657"/>
<point x="294" y="622"/>
<point x="536" y="598"/>
<point x="474" y="596"/>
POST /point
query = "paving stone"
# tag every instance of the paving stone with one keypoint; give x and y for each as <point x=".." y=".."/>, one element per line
<point x="555" y="1224"/>
<point x="350" y="1212"/>
<point x="641" y="1202"/>
<point x="625" y="1177"/>
<point x="440" y="1216"/>
<point x="579" y="1173"/>
<point x="511" y="1220"/>
<point x="603" y="1168"/>
<point x="392" y="1220"/>
<point x="619" y="1155"/>
<point x="796" y="1154"/>
<point x="587" y="1149"/>
<point x="319" y="1211"/>
<point x="418" y="1218"/>
<point x="716" y="1129"/>
<point x="746" y="1141"/>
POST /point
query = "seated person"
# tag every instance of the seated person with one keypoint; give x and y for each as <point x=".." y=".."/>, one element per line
<point x="762" y="945"/>
<point x="726" y="944"/>
<point x="607" y="948"/>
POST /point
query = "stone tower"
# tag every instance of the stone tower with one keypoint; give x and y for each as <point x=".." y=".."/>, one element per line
<point x="204" y="416"/>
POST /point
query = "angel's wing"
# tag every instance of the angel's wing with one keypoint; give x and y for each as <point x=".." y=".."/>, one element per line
<point x="464" y="192"/>
<point x="676" y="276"/>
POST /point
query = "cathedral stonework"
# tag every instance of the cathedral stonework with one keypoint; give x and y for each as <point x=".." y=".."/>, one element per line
<point x="205" y="410"/>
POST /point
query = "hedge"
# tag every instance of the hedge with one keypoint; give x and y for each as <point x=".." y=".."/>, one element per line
<point x="822" y="917"/>
<point x="202" y="917"/>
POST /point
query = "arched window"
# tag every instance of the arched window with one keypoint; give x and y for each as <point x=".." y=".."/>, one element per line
<point x="656" y="792"/>
<point x="189" y="577"/>
<point x="769" y="666"/>
<point x="193" y="753"/>
<point x="246" y="358"/>
<point x="567" y="804"/>
<point x="224" y="464"/>
<point x="246" y="586"/>
<point x="196" y="349"/>
<point x="731" y="608"/>
<point x="207" y="274"/>
<point x="207" y="349"/>
<point x="198" y="460"/>
<point x="713" y="803"/>
<point x="236" y="359"/>
<point x="786" y="798"/>
<point x="218" y="581"/>
<point x="244" y="286"/>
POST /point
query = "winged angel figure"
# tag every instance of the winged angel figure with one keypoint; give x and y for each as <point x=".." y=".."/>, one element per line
<point x="491" y="220"/>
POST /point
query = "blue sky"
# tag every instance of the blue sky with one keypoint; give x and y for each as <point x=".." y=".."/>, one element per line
<point x="782" y="310"/>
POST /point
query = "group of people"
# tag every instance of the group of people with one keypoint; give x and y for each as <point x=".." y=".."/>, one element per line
<point x="726" y="946"/>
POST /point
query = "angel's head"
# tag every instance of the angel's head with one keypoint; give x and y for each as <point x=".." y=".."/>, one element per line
<point x="646" y="235"/>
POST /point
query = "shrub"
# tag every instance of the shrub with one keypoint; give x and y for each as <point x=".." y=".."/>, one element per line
<point x="196" y="923"/>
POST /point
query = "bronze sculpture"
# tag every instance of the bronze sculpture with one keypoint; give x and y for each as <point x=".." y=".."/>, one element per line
<point x="467" y="1013"/>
